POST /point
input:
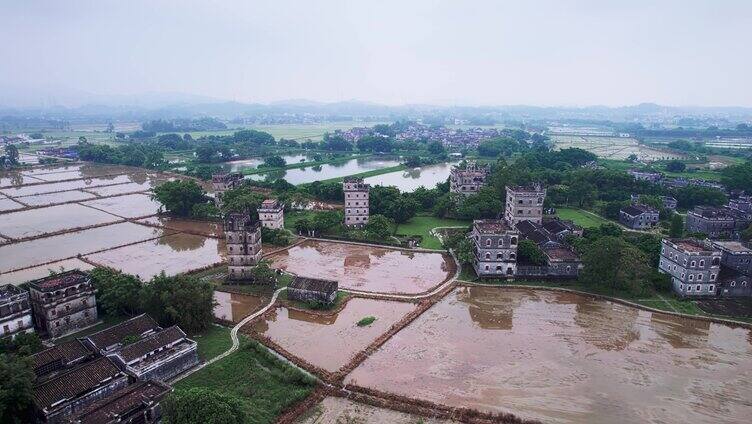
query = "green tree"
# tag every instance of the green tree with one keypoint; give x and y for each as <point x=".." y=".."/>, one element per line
<point x="275" y="162"/>
<point x="200" y="405"/>
<point x="180" y="196"/>
<point x="436" y="148"/>
<point x="378" y="227"/>
<point x="738" y="177"/>
<point x="676" y="166"/>
<point x="11" y="154"/>
<point x="402" y="209"/>
<point x="529" y="253"/>
<point x="180" y="300"/>
<point x="22" y="344"/>
<point x="612" y="263"/>
<point x="465" y="251"/>
<point x="117" y="293"/>
<point x="16" y="388"/>
<point x="204" y="211"/>
<point x="677" y="226"/>
<point x="264" y="274"/>
<point x="747" y="233"/>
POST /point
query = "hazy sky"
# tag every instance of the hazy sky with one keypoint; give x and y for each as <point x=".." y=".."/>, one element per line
<point x="395" y="52"/>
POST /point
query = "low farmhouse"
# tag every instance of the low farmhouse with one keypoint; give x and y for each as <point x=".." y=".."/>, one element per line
<point x="159" y="356"/>
<point x="638" y="217"/>
<point x="15" y="311"/>
<point x="60" y="358"/>
<point x="137" y="403"/>
<point x="113" y="338"/>
<point x="312" y="289"/>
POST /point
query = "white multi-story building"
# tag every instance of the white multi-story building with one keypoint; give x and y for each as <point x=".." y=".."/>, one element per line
<point x="15" y="311"/>
<point x="524" y="204"/>
<point x="693" y="265"/>
<point x="495" y="248"/>
<point x="223" y="182"/>
<point x="243" y="237"/>
<point x="272" y="214"/>
<point x="356" y="201"/>
<point x="468" y="180"/>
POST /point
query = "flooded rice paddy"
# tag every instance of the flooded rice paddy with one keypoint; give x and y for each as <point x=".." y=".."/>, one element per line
<point x="330" y="341"/>
<point x="240" y="165"/>
<point x="336" y="410"/>
<point x="324" y="172"/>
<point x="561" y="357"/>
<point x="210" y="229"/>
<point x="40" y="251"/>
<point x="31" y="190"/>
<point x="234" y="307"/>
<point x="373" y="269"/>
<point x="7" y="204"/>
<point x="410" y="179"/>
<point x="55" y="198"/>
<point x="28" y="274"/>
<point x="129" y="206"/>
<point x="34" y="222"/>
<point x="173" y="254"/>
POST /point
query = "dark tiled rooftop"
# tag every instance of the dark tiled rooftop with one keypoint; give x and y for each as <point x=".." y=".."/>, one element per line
<point x="314" y="284"/>
<point x="634" y="210"/>
<point x="64" y="352"/>
<point x="133" y="327"/>
<point x="122" y="402"/>
<point x="8" y="290"/>
<point x="75" y="382"/>
<point x="151" y="343"/>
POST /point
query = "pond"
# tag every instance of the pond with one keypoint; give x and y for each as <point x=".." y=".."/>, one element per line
<point x="328" y="171"/>
<point x="240" y="165"/>
<point x="562" y="357"/>
<point x="236" y="306"/>
<point x="410" y="179"/>
<point x="367" y="268"/>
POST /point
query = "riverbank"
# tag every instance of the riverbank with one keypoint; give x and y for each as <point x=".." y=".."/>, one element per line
<point x="372" y="173"/>
<point x="264" y="170"/>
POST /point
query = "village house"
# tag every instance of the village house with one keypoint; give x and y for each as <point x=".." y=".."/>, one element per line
<point x="495" y="249"/>
<point x="693" y="266"/>
<point x="72" y="391"/>
<point x="223" y="182"/>
<point x="560" y="229"/>
<point x="561" y="260"/>
<point x="468" y="180"/>
<point x="59" y="358"/>
<point x="716" y="222"/>
<point x="63" y="303"/>
<point x="243" y="239"/>
<point x="272" y="214"/>
<point x="356" y="201"/>
<point x="158" y="356"/>
<point x="524" y="204"/>
<point x="15" y="311"/>
<point x="113" y="338"/>
<point x="638" y="217"/>
<point x="651" y="176"/>
<point x="669" y="202"/>
<point x="735" y="278"/>
<point x="312" y="289"/>
<point x="138" y="403"/>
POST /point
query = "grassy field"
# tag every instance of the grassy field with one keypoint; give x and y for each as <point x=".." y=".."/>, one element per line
<point x="368" y="173"/>
<point x="580" y="217"/>
<point x="421" y="225"/>
<point x="265" y="385"/>
<point x="212" y="342"/>
<point x="251" y="171"/>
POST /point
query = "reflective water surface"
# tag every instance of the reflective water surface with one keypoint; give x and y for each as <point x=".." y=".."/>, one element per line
<point x="330" y="341"/>
<point x="366" y="268"/>
<point x="410" y="179"/>
<point x="35" y="222"/>
<point x="324" y="172"/>
<point x="562" y="357"/>
<point x="235" y="306"/>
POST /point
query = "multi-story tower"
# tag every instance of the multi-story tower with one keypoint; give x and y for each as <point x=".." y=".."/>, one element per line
<point x="223" y="182"/>
<point x="272" y="214"/>
<point x="63" y="303"/>
<point x="495" y="248"/>
<point x="469" y="180"/>
<point x="525" y="204"/>
<point x="356" y="201"/>
<point x="694" y="266"/>
<point x="243" y="236"/>
<point x="15" y="311"/>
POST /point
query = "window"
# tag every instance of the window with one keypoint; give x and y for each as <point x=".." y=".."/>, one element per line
<point x="513" y="241"/>
<point x="744" y="284"/>
<point x="488" y="242"/>
<point x="699" y="287"/>
<point x="693" y="263"/>
<point x="501" y="242"/>
<point x="691" y="277"/>
<point x="681" y="286"/>
<point x="712" y="277"/>
<point x="702" y="262"/>
<point x="689" y="289"/>
<point x="488" y="255"/>
<point x="711" y="288"/>
<point x="699" y="277"/>
<point x="499" y="256"/>
<point x="682" y="276"/>
<point x="733" y="284"/>
<point x="487" y="268"/>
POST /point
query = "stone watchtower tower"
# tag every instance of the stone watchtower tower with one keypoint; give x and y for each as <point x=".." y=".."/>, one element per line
<point x="223" y="182"/>
<point x="272" y="214"/>
<point x="525" y="204"/>
<point x="469" y="180"/>
<point x="356" y="202"/>
<point x="243" y="236"/>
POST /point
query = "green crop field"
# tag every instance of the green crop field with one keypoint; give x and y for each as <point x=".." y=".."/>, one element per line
<point x="421" y="225"/>
<point x="580" y="217"/>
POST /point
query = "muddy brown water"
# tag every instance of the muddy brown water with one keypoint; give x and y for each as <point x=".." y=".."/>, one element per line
<point x="128" y="206"/>
<point x="235" y="306"/>
<point x="31" y="190"/>
<point x="330" y="341"/>
<point x="561" y="357"/>
<point x="39" y="251"/>
<point x="336" y="410"/>
<point x="35" y="222"/>
<point x="367" y="268"/>
<point x="213" y="229"/>
<point x="173" y="254"/>
<point x="55" y="198"/>
<point x="20" y="277"/>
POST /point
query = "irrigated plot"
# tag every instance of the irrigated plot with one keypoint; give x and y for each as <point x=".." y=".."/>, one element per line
<point x="20" y="277"/>
<point x="75" y="172"/>
<point x="207" y="228"/>
<point x="561" y="357"/>
<point x="173" y="254"/>
<point x="40" y="251"/>
<point x="7" y="204"/>
<point x="55" y="198"/>
<point x="53" y="169"/>
<point x="15" y="179"/>
<point x="338" y="410"/>
<point x="330" y="341"/>
<point x="120" y="189"/>
<point x="236" y="306"/>
<point x="63" y="186"/>
<point x="35" y="222"/>
<point x="373" y="269"/>
<point x="130" y="206"/>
